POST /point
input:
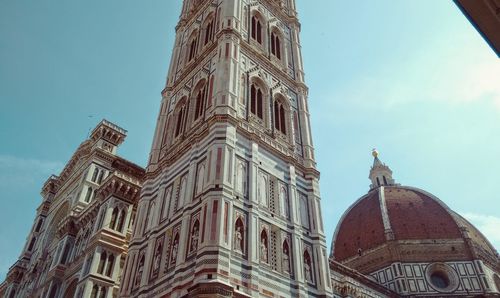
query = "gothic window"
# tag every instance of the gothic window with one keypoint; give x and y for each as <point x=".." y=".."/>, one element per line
<point x="66" y="252"/>
<point x="121" y="221"/>
<point x="239" y="236"/>
<point x="200" y="99"/>
<point x="195" y="236"/>
<point x="209" y="31"/>
<point x="262" y="190"/>
<point x="95" y="289"/>
<point x="103" y="293"/>
<point x="95" y="174"/>
<point x="88" y="196"/>
<point x="102" y="263"/>
<point x="256" y="31"/>
<point x="192" y="47"/>
<point x="39" y="225"/>
<point x="32" y="244"/>
<point x="264" y="245"/>
<point x="378" y="182"/>
<point x="179" y="116"/>
<point x="200" y="178"/>
<point x="256" y="101"/>
<point x="385" y="180"/>
<point x="275" y="45"/>
<point x="114" y="217"/>
<point x="286" y="257"/>
<point x="109" y="267"/>
<point x="279" y="117"/>
<point x="308" y="267"/>
<point x="101" y="176"/>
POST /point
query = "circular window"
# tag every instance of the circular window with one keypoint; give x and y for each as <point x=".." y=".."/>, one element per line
<point x="440" y="280"/>
<point x="442" y="277"/>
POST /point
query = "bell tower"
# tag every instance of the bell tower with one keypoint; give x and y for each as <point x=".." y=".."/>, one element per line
<point x="230" y="206"/>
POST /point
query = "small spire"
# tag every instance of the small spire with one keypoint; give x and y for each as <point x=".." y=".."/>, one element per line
<point x="380" y="174"/>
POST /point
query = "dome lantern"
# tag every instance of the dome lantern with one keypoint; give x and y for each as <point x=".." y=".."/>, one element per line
<point x="380" y="173"/>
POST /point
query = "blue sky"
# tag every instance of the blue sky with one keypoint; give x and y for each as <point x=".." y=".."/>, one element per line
<point x="411" y="78"/>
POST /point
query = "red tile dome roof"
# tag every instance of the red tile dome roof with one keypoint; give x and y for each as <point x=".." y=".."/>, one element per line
<point x="396" y="213"/>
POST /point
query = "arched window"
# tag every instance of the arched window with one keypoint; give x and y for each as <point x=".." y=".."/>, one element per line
<point x="66" y="252"/>
<point x="256" y="32"/>
<point x="275" y="45"/>
<point x="256" y="101"/>
<point x="102" y="262"/>
<point x="279" y="117"/>
<point x="192" y="48"/>
<point x="114" y="217"/>
<point x="89" y="194"/>
<point x="121" y="221"/>
<point x="103" y="292"/>
<point x="109" y="267"/>
<point x="39" y="225"/>
<point x="32" y="244"/>
<point x="94" y="175"/>
<point x="95" y="289"/>
<point x="101" y="175"/>
<point x="200" y="99"/>
<point x="180" y="114"/>
<point x="209" y="31"/>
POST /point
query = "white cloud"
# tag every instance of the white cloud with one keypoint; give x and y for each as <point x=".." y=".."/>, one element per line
<point x="489" y="225"/>
<point x="456" y="73"/>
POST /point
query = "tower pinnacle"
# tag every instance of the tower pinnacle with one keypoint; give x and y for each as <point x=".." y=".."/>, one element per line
<point x="380" y="174"/>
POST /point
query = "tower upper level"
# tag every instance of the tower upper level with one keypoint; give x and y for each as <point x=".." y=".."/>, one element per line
<point x="237" y="61"/>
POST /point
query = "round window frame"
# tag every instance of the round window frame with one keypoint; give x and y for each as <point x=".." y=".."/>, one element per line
<point x="447" y="272"/>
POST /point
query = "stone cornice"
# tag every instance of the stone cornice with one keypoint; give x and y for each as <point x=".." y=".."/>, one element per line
<point x="192" y="67"/>
<point x="277" y="147"/>
<point x="120" y="185"/>
<point x="263" y="60"/>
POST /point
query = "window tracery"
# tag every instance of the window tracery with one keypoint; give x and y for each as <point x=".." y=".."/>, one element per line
<point x="256" y="29"/>
<point x="276" y="45"/>
<point x="256" y="101"/>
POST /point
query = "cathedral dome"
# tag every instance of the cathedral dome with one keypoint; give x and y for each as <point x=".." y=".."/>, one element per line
<point x="394" y="223"/>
